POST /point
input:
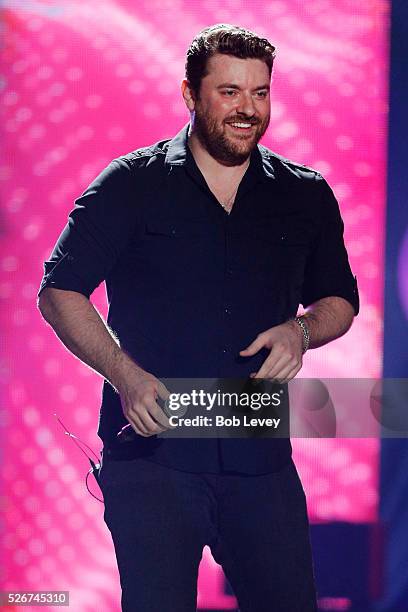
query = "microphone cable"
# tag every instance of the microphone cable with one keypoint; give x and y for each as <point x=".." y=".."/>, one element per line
<point x="95" y="466"/>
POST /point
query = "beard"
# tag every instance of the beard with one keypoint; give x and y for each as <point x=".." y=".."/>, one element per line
<point x="229" y="150"/>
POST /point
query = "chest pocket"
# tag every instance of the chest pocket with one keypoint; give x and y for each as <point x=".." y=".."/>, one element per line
<point x="284" y="234"/>
<point x="282" y="250"/>
<point x="296" y="246"/>
<point x="176" y="228"/>
<point x="172" y="247"/>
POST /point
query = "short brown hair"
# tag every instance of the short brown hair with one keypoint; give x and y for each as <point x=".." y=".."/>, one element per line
<point x="227" y="39"/>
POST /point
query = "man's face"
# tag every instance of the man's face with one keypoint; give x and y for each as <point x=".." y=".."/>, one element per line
<point x="232" y="111"/>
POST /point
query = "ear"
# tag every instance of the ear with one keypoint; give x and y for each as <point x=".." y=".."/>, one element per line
<point x="188" y="95"/>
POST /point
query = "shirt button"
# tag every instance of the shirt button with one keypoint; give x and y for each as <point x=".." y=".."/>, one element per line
<point x="227" y="311"/>
<point x="224" y="350"/>
<point x="229" y="272"/>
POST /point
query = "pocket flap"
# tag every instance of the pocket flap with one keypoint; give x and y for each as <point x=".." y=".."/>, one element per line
<point x="176" y="227"/>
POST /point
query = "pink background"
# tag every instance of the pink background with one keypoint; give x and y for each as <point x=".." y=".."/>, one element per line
<point x="84" y="82"/>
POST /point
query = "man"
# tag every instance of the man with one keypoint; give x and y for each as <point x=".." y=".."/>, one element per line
<point x="207" y="243"/>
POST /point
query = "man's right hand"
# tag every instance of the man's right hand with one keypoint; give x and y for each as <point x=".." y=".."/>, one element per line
<point x="138" y="396"/>
<point x="80" y="327"/>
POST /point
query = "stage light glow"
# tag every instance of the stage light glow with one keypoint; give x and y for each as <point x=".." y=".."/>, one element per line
<point x="84" y="82"/>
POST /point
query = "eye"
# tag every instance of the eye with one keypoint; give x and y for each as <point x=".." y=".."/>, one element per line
<point x="229" y="92"/>
<point x="262" y="94"/>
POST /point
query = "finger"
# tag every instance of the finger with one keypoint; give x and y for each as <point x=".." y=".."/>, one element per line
<point x="283" y="368"/>
<point x="291" y="374"/>
<point x="274" y="357"/>
<point x="285" y="373"/>
<point x="148" y="424"/>
<point x="255" y="381"/>
<point x="145" y="430"/>
<point x="157" y="413"/>
<point x="132" y="416"/>
<point x="273" y="363"/>
<point x="142" y="407"/>
<point x="137" y="425"/>
<point x="254" y="347"/>
<point x="156" y="416"/>
<point x="162" y="390"/>
<point x="283" y="362"/>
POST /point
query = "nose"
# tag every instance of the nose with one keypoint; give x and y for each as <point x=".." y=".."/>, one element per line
<point x="245" y="104"/>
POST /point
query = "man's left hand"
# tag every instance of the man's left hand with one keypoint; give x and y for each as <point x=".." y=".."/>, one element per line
<point x="284" y="361"/>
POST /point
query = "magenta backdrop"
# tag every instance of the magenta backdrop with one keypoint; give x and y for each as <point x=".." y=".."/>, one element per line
<point x="84" y="82"/>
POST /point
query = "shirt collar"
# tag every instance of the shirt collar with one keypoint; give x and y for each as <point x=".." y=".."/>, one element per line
<point x="179" y="154"/>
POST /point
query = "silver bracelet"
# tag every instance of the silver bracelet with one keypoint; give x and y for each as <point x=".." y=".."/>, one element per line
<point x="306" y="333"/>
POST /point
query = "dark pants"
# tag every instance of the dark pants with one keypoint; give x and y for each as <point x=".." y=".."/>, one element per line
<point x="256" y="526"/>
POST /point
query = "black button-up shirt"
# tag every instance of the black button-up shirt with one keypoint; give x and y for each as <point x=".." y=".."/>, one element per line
<point x="190" y="285"/>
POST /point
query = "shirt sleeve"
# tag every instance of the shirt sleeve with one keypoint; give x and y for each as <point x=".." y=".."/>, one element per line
<point x="98" y="229"/>
<point x="327" y="271"/>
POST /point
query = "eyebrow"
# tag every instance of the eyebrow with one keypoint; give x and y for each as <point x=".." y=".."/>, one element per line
<point x="232" y="86"/>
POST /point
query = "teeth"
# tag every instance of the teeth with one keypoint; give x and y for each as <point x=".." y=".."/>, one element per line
<point x="241" y="125"/>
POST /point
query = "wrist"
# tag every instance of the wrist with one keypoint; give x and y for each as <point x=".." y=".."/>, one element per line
<point x="304" y="332"/>
<point x="123" y="370"/>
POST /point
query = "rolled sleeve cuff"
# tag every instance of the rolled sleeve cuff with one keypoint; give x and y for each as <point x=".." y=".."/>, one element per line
<point x="63" y="274"/>
<point x="349" y="293"/>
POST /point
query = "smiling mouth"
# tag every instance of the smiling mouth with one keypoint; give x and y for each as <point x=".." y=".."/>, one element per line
<point x="241" y="125"/>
